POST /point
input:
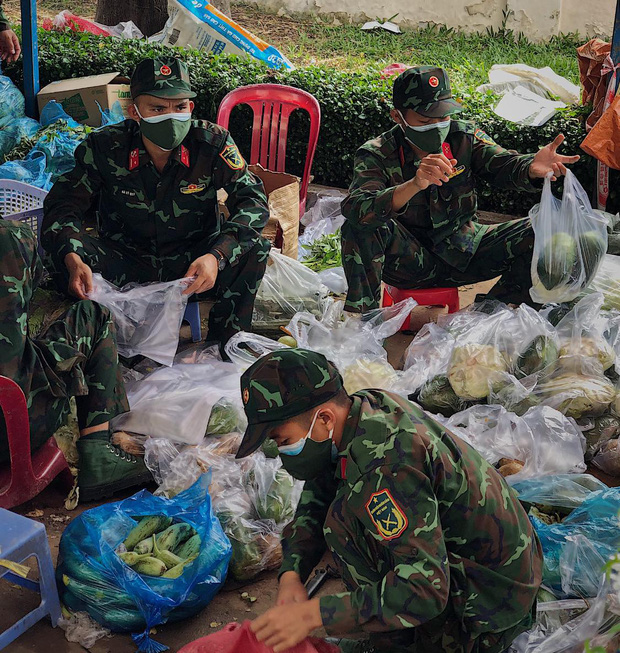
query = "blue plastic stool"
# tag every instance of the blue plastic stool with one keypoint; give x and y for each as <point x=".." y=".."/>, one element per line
<point x="192" y="315"/>
<point x="21" y="538"/>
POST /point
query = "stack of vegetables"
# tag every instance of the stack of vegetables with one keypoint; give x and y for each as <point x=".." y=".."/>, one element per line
<point x="564" y="358"/>
<point x="143" y="561"/>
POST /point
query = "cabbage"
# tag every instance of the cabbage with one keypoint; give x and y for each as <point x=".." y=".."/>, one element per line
<point x="437" y="396"/>
<point x="366" y="373"/>
<point x="577" y="395"/>
<point x="597" y="348"/>
<point x="471" y="368"/>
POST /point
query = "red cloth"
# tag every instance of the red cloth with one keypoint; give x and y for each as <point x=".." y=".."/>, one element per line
<point x="238" y="638"/>
<point x="75" y="23"/>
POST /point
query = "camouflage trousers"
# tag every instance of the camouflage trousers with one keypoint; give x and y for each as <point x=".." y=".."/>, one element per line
<point x="234" y="291"/>
<point x="391" y="254"/>
<point x="75" y="357"/>
<point x="354" y="556"/>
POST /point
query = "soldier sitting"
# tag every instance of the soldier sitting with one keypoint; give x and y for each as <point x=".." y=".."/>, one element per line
<point x="153" y="181"/>
<point x="434" y="548"/>
<point x="75" y="357"/>
<point x="411" y="208"/>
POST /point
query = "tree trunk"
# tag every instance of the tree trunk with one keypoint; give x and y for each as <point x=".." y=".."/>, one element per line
<point x="149" y="15"/>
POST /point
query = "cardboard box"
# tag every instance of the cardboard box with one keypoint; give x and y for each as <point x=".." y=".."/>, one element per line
<point x="79" y="96"/>
<point x="282" y="191"/>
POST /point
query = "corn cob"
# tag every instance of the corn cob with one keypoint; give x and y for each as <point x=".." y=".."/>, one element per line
<point x="146" y="528"/>
<point x="150" y="567"/>
<point x="189" y="548"/>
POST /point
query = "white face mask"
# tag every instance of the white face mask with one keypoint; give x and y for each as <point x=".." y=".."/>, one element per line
<point x="426" y="128"/>
<point x="153" y="120"/>
<point x="295" y="448"/>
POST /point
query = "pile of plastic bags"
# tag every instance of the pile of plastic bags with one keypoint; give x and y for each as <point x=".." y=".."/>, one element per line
<point x="14" y="125"/>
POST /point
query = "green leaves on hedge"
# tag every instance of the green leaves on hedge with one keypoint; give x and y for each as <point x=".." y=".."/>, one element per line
<point x="355" y="107"/>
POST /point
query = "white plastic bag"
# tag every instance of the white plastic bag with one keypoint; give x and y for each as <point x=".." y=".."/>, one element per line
<point x="244" y="349"/>
<point x="176" y="402"/>
<point x="147" y="316"/>
<point x="607" y="281"/>
<point x="570" y="240"/>
<point x="335" y="280"/>
<point x="287" y="288"/>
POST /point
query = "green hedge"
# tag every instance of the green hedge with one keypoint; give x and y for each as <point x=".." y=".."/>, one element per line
<point x="355" y="107"/>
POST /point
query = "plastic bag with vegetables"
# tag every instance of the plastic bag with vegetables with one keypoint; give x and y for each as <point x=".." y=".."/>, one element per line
<point x="570" y="240"/>
<point x="176" y="402"/>
<point x="607" y="282"/>
<point x="354" y="345"/>
<point x="93" y="578"/>
<point x="427" y="356"/>
<point x="287" y="288"/>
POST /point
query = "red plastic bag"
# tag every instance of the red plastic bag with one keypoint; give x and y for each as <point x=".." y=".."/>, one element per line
<point x="67" y="20"/>
<point x="394" y="69"/>
<point x="238" y="638"/>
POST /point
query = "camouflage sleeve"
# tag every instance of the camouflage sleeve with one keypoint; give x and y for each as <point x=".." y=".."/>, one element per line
<point x="399" y="510"/>
<point x="20" y="269"/>
<point x="303" y="543"/>
<point x="246" y="203"/>
<point x="500" y="167"/>
<point x="67" y="202"/>
<point x="4" y="21"/>
<point x="369" y="202"/>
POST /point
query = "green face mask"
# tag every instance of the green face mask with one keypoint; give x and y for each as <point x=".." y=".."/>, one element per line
<point x="429" y="138"/>
<point x="306" y="459"/>
<point x="166" y="131"/>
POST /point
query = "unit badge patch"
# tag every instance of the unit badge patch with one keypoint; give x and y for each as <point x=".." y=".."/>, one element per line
<point x="484" y="137"/>
<point x="192" y="188"/>
<point x="386" y="515"/>
<point x="233" y="157"/>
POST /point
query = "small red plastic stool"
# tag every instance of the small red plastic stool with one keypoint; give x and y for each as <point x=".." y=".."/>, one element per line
<point x="425" y="297"/>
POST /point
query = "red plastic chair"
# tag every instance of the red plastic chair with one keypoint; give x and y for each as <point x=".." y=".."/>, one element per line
<point x="26" y="475"/>
<point x="272" y="105"/>
<point x="427" y="297"/>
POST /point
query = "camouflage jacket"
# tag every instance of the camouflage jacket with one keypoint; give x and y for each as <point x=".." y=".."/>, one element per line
<point x="161" y="215"/>
<point x="4" y="21"/>
<point x="437" y="522"/>
<point x="46" y="371"/>
<point x="442" y="218"/>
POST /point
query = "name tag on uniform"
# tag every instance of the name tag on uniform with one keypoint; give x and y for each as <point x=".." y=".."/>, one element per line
<point x="457" y="172"/>
<point x="193" y="188"/>
<point x="128" y="193"/>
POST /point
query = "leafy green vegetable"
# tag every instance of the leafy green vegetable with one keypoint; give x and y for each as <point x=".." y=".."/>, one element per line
<point x="324" y="253"/>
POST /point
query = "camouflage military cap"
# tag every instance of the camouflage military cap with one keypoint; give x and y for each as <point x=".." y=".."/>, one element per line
<point x="283" y="385"/>
<point x="425" y="90"/>
<point x="165" y="77"/>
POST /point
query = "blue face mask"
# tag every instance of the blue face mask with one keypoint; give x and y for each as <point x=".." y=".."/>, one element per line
<point x="307" y="458"/>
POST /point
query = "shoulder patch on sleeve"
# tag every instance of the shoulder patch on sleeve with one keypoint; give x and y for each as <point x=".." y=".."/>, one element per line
<point x="233" y="157"/>
<point x="483" y="137"/>
<point x="387" y="516"/>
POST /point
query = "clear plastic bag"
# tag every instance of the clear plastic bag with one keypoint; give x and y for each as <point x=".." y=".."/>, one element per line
<point x="176" y="402"/>
<point x="335" y="280"/>
<point x="608" y="458"/>
<point x="558" y="490"/>
<point x="244" y="349"/>
<point x="607" y="282"/>
<point x="354" y="344"/>
<point x="570" y="240"/>
<point x="93" y="578"/>
<point x="324" y="218"/>
<point x="541" y="442"/>
<point x="427" y="356"/>
<point x="287" y="288"/>
<point x="147" y="316"/>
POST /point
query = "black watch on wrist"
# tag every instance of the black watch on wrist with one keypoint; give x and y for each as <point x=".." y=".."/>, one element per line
<point x="221" y="261"/>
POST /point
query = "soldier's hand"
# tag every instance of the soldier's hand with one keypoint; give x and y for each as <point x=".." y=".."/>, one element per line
<point x="80" y="276"/>
<point x="283" y="627"/>
<point x="291" y="589"/>
<point x="434" y="169"/>
<point x="548" y="160"/>
<point x="205" y="270"/>
<point x="9" y="46"/>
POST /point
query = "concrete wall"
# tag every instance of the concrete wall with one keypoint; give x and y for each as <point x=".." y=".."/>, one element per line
<point x="538" y="19"/>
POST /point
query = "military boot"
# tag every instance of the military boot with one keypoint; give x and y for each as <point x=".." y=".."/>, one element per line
<point x="105" y="468"/>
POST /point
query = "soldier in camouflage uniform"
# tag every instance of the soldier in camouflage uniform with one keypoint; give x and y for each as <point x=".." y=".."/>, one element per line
<point x="75" y="357"/>
<point x="435" y="550"/>
<point x="411" y="208"/>
<point x="153" y="180"/>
